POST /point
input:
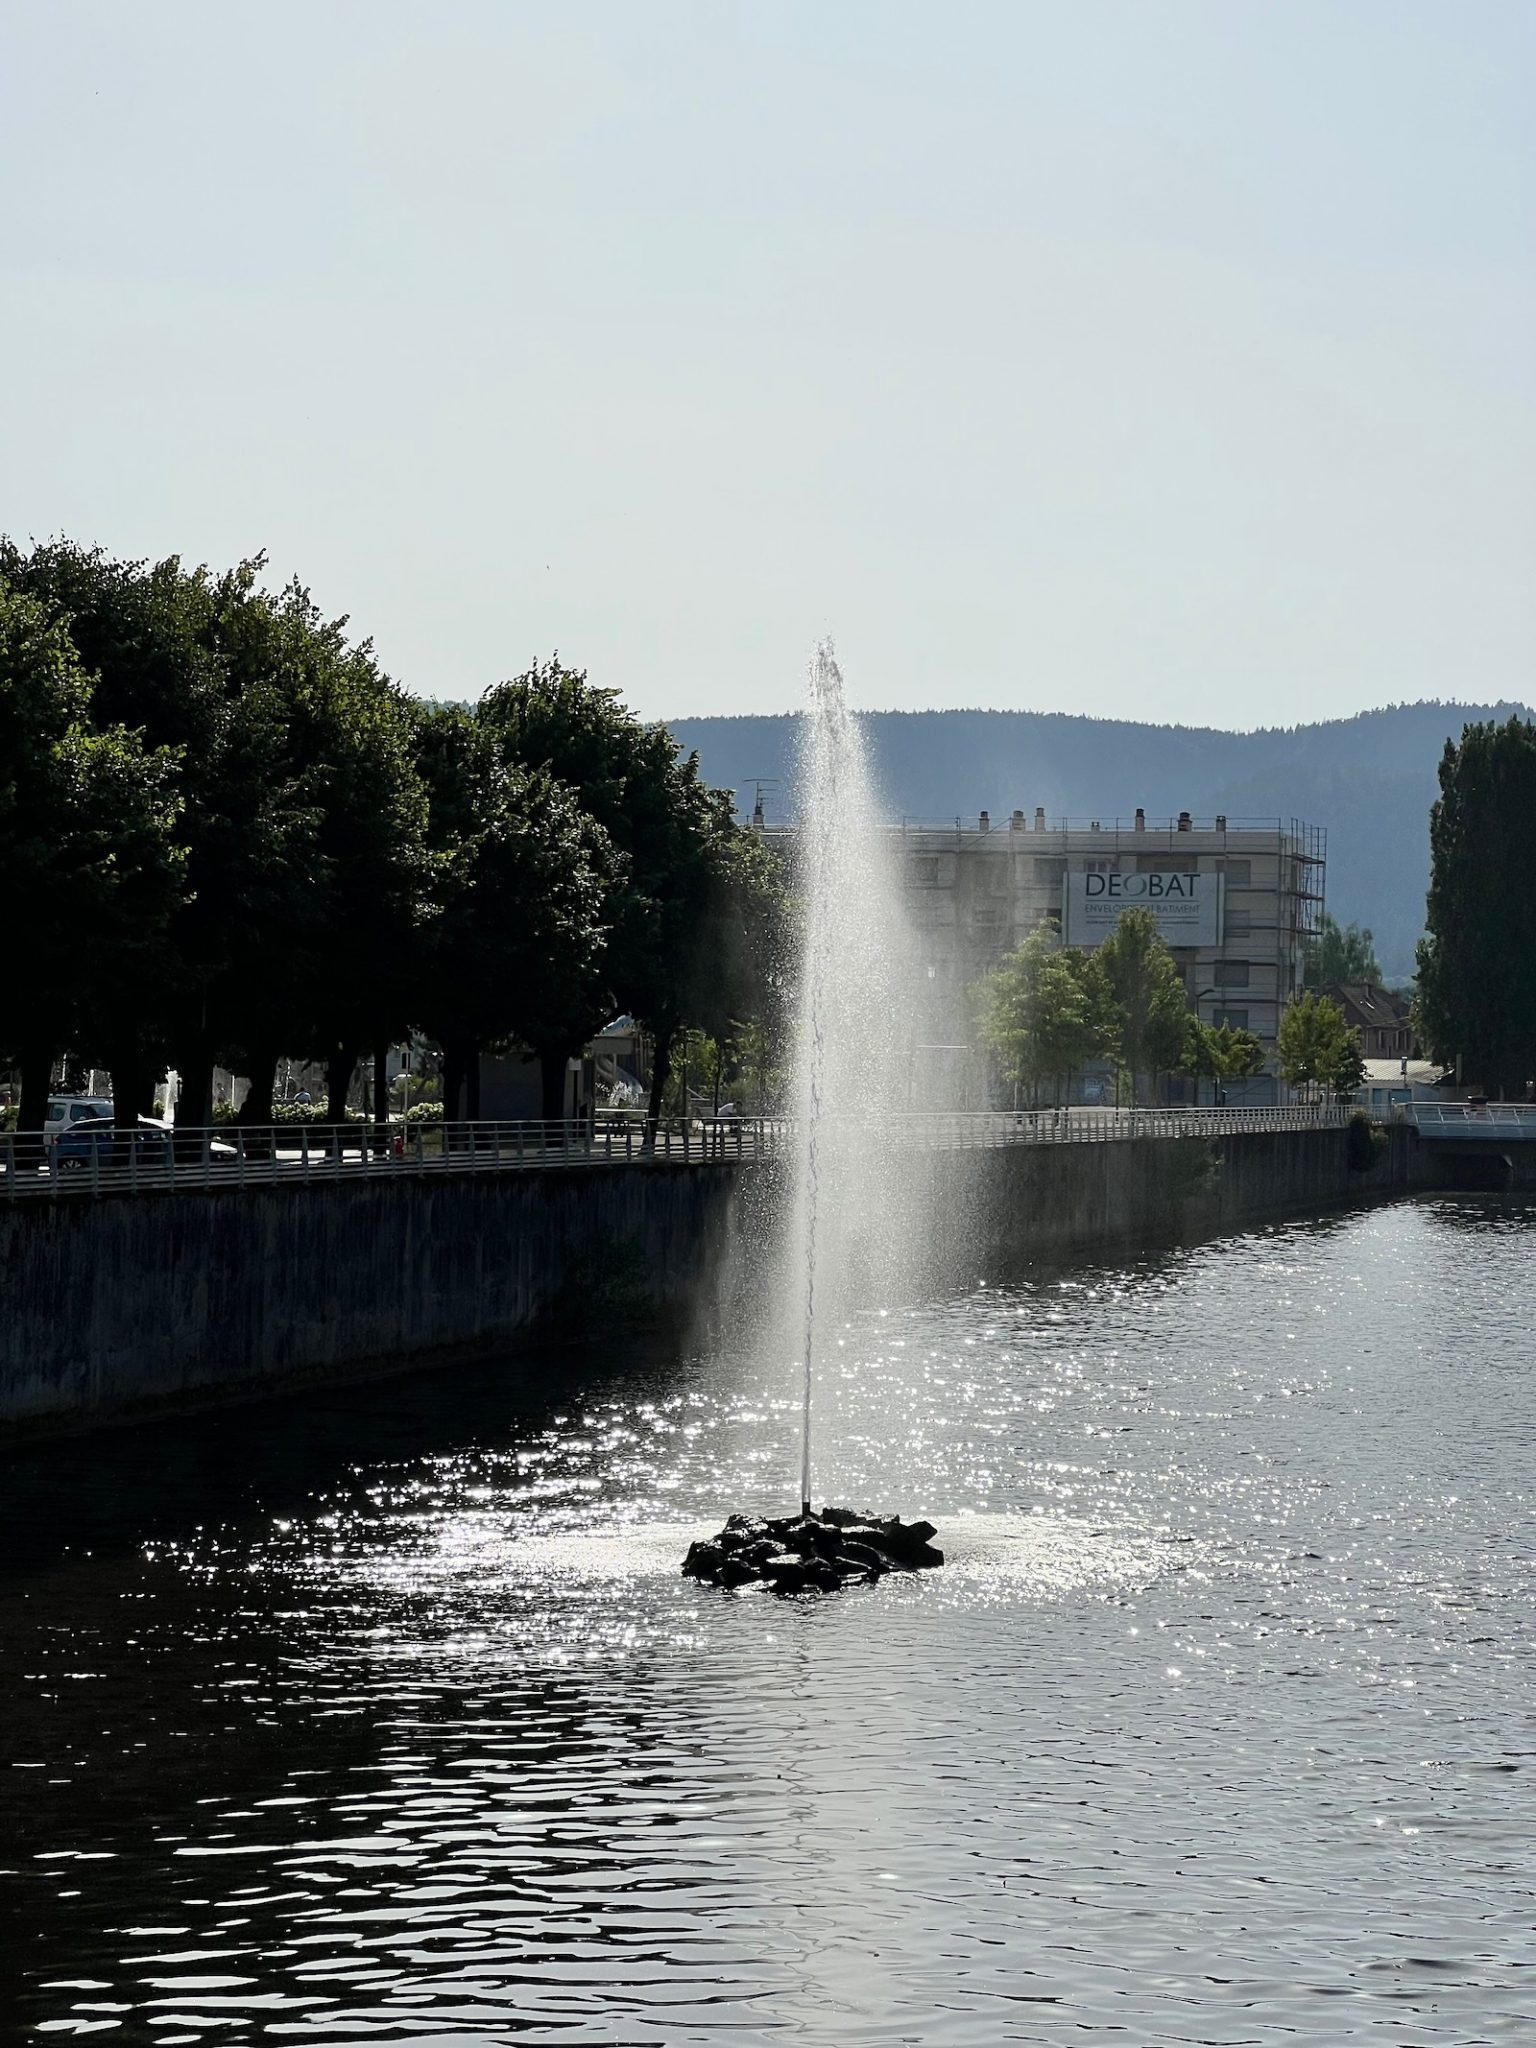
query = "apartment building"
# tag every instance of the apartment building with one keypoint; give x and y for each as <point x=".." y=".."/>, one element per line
<point x="1235" y="898"/>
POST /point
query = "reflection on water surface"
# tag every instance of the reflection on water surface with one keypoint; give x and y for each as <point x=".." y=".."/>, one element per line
<point x="386" y="1716"/>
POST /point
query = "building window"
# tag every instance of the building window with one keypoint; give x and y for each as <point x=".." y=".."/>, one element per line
<point x="1166" y="864"/>
<point x="993" y="877"/>
<point x="1100" y="867"/>
<point x="986" y="912"/>
<point x="1239" y="923"/>
<point x="1237" y="1019"/>
<point x="1231" y="973"/>
<point x="924" y="873"/>
<point x="1239" y="873"/>
<point x="1049" y="869"/>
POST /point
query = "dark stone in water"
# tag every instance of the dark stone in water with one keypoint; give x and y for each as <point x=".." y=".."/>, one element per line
<point x="704" y="1561"/>
<point x="819" y="1552"/>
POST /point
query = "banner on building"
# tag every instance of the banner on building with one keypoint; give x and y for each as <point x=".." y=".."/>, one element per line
<point x="1187" y="907"/>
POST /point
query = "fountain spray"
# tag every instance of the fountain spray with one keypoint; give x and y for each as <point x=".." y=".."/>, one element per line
<point x="856" y="1213"/>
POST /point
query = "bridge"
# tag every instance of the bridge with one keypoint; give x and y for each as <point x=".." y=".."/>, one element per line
<point x="90" y="1162"/>
<point x="1478" y="1122"/>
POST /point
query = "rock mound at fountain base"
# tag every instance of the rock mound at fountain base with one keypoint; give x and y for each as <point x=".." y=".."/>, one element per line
<point x="811" y="1553"/>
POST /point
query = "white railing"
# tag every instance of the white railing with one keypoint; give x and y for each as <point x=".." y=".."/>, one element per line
<point x="1091" y="1125"/>
<point x="98" y="1160"/>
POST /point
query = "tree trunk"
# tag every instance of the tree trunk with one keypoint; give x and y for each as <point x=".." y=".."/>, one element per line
<point x="661" y="1073"/>
<point x="255" y="1113"/>
<point x="472" y="1084"/>
<point x="552" y="1065"/>
<point x="256" y="1110"/>
<point x="36" y="1067"/>
<point x="340" y="1066"/>
<point x="381" y="1098"/>
<point x="133" y="1084"/>
<point x="194" y="1099"/>
<point x="455" y="1066"/>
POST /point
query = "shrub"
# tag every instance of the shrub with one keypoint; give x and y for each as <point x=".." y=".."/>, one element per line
<point x="1365" y="1142"/>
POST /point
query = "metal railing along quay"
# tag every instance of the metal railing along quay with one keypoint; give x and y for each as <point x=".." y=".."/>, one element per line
<point x="88" y="1160"/>
<point x="151" y="1158"/>
<point x="1468" y="1119"/>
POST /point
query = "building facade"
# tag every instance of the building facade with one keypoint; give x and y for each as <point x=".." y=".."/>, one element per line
<point x="1380" y="1016"/>
<point x="1237" y="899"/>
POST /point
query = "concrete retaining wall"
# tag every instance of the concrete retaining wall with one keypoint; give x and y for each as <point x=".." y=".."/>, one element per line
<point x="128" y="1302"/>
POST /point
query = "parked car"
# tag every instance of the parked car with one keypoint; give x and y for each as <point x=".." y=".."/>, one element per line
<point x="96" y="1140"/>
<point x="71" y="1142"/>
<point x="64" y="1111"/>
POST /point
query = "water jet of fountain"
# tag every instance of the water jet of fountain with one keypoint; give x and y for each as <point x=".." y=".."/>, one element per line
<point x="855" y="1206"/>
<point x="857" y="975"/>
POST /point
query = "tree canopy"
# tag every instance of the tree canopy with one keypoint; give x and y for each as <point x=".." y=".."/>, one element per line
<point x="1148" y="994"/>
<point x="89" y="820"/>
<point x="1476" y="996"/>
<point x="1316" y="1046"/>
<point x="1340" y="954"/>
<point x="1046" y="1011"/>
<point x="694" y="912"/>
<point x="228" y="835"/>
<point x="1219" y="1052"/>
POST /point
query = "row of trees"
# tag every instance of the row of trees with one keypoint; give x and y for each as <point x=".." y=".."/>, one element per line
<point x="1049" y="1011"/>
<point x="228" y="836"/>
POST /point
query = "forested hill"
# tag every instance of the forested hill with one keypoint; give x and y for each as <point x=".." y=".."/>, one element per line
<point x="1369" y="780"/>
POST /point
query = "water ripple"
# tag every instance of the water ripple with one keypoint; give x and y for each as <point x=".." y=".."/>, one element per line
<point x="387" y="1717"/>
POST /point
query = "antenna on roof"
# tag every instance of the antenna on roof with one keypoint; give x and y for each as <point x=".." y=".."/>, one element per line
<point x="759" y="784"/>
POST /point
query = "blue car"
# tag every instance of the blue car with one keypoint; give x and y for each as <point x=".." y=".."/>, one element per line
<point x="96" y="1140"/>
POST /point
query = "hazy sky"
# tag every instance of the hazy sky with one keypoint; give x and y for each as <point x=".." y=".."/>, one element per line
<point x="1140" y="357"/>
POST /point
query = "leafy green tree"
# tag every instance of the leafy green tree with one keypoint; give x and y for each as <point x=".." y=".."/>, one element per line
<point x="520" y="875"/>
<point x="1148" y="994"/>
<point x="1340" y="954"/>
<point x="1046" y="1011"/>
<point x="88" y="847"/>
<point x="1238" y="1053"/>
<point x="350" y="742"/>
<point x="1317" y="1048"/>
<point x="1219" y="1052"/>
<point x="756" y="1057"/>
<point x="1476" y="995"/>
<point x="694" y="917"/>
<point x="201" y="664"/>
<point x="142" y="633"/>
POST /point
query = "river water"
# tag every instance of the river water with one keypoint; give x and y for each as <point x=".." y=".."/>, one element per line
<point x="386" y="1717"/>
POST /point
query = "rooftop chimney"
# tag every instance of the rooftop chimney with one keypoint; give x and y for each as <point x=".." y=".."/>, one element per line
<point x="1184" y="822"/>
<point x="984" y="822"/>
<point x="1039" y="817"/>
<point x="1016" y="822"/>
<point x="1141" y="819"/>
